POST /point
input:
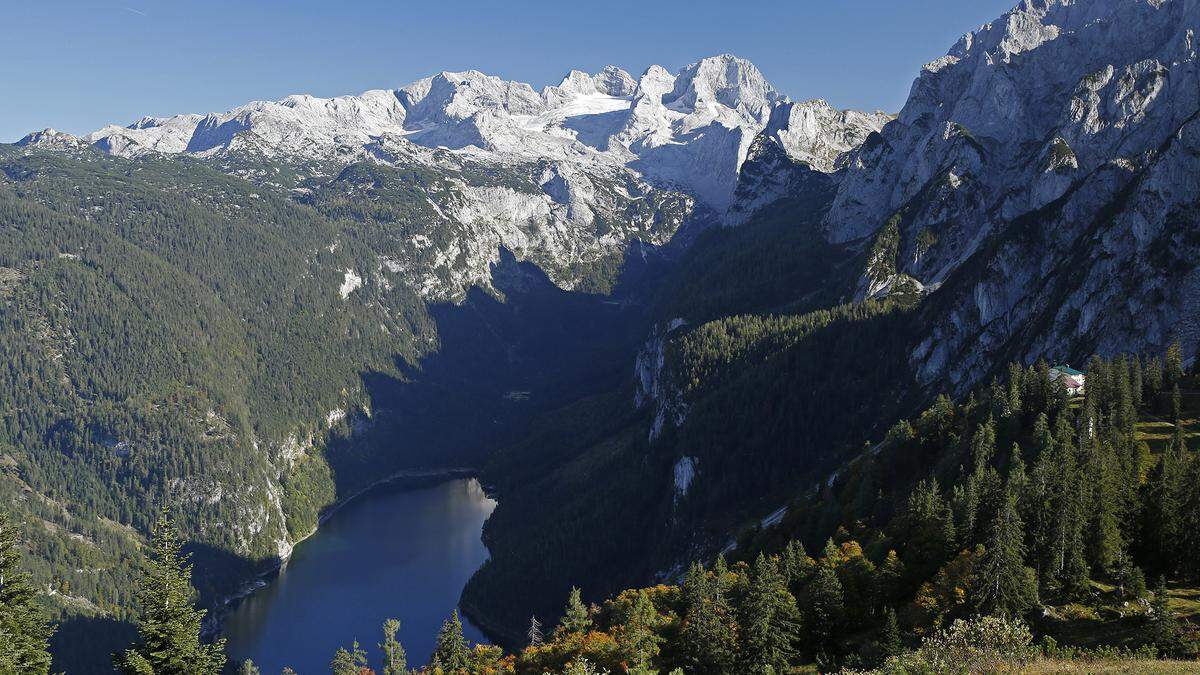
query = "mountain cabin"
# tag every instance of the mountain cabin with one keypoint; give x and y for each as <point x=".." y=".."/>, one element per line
<point x="1072" y="379"/>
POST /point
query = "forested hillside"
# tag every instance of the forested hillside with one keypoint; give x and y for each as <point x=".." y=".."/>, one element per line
<point x="1069" y="551"/>
<point x="172" y="334"/>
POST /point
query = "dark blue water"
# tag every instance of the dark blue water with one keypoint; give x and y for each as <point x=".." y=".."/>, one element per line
<point x="397" y="552"/>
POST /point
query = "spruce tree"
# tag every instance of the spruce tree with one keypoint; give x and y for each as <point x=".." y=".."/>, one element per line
<point x="824" y="611"/>
<point x="769" y="618"/>
<point x="891" y="579"/>
<point x="797" y="565"/>
<point x="168" y="623"/>
<point x="451" y="652"/>
<point x="24" y="630"/>
<point x="395" y="661"/>
<point x="1189" y="512"/>
<point x="576" y="617"/>
<point x="1174" y="365"/>
<point x="890" y="642"/>
<point x="1107" y="544"/>
<point x="1162" y="523"/>
<point x="1003" y="586"/>
<point x="348" y="661"/>
<point x="637" y="636"/>
<point x="709" y="632"/>
<point x="1162" y="626"/>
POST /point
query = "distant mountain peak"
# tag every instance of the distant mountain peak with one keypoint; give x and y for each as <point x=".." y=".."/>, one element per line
<point x="649" y="125"/>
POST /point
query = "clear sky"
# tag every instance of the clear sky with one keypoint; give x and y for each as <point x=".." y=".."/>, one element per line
<point x="76" y="65"/>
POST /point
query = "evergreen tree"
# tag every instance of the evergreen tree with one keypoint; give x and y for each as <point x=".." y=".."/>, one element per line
<point x="890" y="580"/>
<point x="1154" y="376"/>
<point x="451" y="652"/>
<point x="1162" y="626"/>
<point x="637" y="636"/>
<point x="769" y="618"/>
<point x="248" y="668"/>
<point x="1004" y="586"/>
<point x="576" y="617"/>
<point x="824" y="611"/>
<point x="1174" y="365"/>
<point x="395" y="661"/>
<point x="168" y="623"/>
<point x="890" y="642"/>
<point x="24" y="630"/>
<point x="348" y="662"/>
<point x="1189" y="512"/>
<point x="797" y="565"/>
<point x="927" y="529"/>
<point x="709" y="632"/>
<point x="1137" y="386"/>
<point x="1107" y="544"/>
<point x="1162" y="522"/>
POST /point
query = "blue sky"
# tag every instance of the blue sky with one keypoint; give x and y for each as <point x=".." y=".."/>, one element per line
<point x="76" y="65"/>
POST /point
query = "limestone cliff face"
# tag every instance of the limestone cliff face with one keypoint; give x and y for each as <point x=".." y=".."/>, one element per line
<point x="1040" y="180"/>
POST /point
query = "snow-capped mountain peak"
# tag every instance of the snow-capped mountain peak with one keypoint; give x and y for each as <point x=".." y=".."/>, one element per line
<point x="687" y="131"/>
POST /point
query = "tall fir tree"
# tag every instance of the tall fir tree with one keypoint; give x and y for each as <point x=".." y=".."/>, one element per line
<point x="709" y="631"/>
<point x="1173" y="365"/>
<point x="168" y="624"/>
<point x="349" y="661"/>
<point x="890" y="642"/>
<point x="637" y="637"/>
<point x="395" y="660"/>
<point x="1163" y="629"/>
<point x="451" y="652"/>
<point x="576" y="617"/>
<point x="24" y="630"/>
<point x="825" y="610"/>
<point x="1004" y="587"/>
<point x="769" y="618"/>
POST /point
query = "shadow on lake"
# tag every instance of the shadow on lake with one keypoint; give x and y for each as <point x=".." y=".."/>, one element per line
<point x="397" y="551"/>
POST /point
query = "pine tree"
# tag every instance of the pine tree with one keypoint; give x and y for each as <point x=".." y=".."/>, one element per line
<point x="1162" y="523"/>
<point x="1189" y="512"/>
<point x="168" y="624"/>
<point x="769" y="618"/>
<point x="797" y="565"/>
<point x="1154" y="376"/>
<point x="395" y="661"/>
<point x="890" y="580"/>
<point x="248" y="668"/>
<point x="709" y="632"/>
<point x="1004" y="586"/>
<point x="348" y="662"/>
<point x="24" y="630"/>
<point x="451" y="652"/>
<point x="1174" y="365"/>
<point x="534" y="634"/>
<point x="824" y="611"/>
<point x="637" y="636"/>
<point x="927" y="528"/>
<point x="576" y="617"/>
<point x="1162" y="626"/>
<point x="1137" y="387"/>
<point x="890" y="642"/>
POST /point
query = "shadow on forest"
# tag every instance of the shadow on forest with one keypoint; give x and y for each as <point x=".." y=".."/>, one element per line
<point x="500" y="363"/>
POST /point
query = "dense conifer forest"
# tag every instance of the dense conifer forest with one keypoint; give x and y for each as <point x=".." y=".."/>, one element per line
<point x="1021" y="528"/>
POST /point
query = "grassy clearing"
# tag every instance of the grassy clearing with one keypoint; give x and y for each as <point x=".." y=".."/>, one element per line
<point x="1115" y="667"/>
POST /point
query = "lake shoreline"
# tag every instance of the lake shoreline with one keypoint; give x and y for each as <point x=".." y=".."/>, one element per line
<point x="225" y="605"/>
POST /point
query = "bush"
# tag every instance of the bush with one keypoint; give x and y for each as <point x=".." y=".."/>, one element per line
<point x="978" y="645"/>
